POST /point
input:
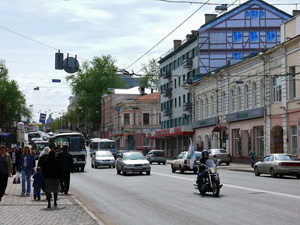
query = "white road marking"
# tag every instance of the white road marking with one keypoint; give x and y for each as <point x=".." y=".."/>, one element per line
<point x="234" y="186"/>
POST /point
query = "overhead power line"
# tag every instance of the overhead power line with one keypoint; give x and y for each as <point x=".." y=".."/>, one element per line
<point x="167" y="35"/>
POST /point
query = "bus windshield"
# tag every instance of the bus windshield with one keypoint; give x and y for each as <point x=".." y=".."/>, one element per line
<point x="75" y="143"/>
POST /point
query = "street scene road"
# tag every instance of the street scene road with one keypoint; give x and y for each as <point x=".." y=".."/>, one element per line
<point x="170" y="198"/>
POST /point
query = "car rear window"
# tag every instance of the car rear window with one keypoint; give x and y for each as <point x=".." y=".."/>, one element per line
<point x="159" y="153"/>
<point x="223" y="151"/>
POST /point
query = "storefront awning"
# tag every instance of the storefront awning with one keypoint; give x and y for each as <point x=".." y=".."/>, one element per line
<point x="218" y="128"/>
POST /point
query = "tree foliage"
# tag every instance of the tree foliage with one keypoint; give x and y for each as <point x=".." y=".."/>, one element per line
<point x="12" y="101"/>
<point x="151" y="77"/>
<point x="89" y="84"/>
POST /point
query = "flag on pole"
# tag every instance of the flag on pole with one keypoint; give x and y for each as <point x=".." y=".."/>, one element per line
<point x="192" y="154"/>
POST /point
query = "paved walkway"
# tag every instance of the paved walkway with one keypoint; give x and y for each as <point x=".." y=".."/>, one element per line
<point x="17" y="209"/>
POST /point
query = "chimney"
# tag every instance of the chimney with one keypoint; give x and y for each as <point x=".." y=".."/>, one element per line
<point x="189" y="36"/>
<point x="210" y="17"/>
<point x="142" y="90"/>
<point x="194" y="32"/>
<point x="296" y="12"/>
<point x="176" y="43"/>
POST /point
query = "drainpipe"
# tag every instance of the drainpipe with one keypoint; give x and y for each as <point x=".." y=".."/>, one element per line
<point x="262" y="56"/>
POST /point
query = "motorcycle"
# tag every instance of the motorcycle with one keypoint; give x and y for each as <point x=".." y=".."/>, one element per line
<point x="211" y="180"/>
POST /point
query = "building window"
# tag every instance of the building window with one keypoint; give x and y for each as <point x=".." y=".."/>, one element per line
<point x="183" y="99"/>
<point x="262" y="92"/>
<point x="246" y="97"/>
<point x="237" y="37"/>
<point x="276" y="83"/>
<point x="254" y="14"/>
<point x="254" y="36"/>
<point x="175" y="83"/>
<point x="259" y="132"/>
<point x="293" y="138"/>
<point x="146" y="117"/>
<point x="292" y="83"/>
<point x="146" y="141"/>
<point x="201" y="109"/>
<point x="206" y="107"/>
<point x="271" y="36"/>
<point x="223" y="102"/>
<point x="178" y="81"/>
<point x="239" y="99"/>
<point x="254" y="95"/>
<point x="175" y="102"/>
<point x="179" y="101"/>
<point x="197" y="110"/>
<point x="126" y="119"/>
<point x="231" y="100"/>
<point x="237" y="55"/>
<point x="212" y="106"/>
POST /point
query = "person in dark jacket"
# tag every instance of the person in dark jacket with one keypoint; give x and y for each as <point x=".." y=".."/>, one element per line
<point x="37" y="183"/>
<point x="1" y="186"/>
<point x="42" y="159"/>
<point x="52" y="172"/>
<point x="14" y="155"/>
<point x="67" y="165"/>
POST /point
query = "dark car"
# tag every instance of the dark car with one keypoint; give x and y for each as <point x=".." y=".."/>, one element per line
<point x="158" y="156"/>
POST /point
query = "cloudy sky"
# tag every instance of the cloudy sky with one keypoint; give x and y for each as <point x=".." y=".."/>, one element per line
<point x="32" y="31"/>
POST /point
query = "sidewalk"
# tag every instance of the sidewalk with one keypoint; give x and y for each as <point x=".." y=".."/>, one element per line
<point x="17" y="209"/>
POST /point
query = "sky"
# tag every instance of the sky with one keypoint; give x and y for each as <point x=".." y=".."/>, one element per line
<point x="32" y="31"/>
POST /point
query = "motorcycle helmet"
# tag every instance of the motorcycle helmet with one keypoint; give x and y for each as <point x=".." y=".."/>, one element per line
<point x="205" y="154"/>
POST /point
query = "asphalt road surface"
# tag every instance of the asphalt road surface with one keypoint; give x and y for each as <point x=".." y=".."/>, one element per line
<point x="170" y="198"/>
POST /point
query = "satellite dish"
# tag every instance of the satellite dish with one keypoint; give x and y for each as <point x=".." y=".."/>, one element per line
<point x="71" y="65"/>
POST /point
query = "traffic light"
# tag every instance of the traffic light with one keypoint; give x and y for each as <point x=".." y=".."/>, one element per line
<point x="122" y="130"/>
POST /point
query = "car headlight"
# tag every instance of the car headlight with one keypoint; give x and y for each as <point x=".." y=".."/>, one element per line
<point x="146" y="164"/>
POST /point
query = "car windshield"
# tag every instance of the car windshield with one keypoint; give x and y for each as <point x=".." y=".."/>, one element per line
<point x="103" y="154"/>
<point x="133" y="156"/>
<point x="285" y="157"/>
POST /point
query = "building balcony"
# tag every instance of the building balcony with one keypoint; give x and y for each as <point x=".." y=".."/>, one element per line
<point x="168" y="112"/>
<point x="167" y="92"/>
<point x="187" y="63"/>
<point x="167" y="75"/>
<point x="188" y="106"/>
<point x="188" y="81"/>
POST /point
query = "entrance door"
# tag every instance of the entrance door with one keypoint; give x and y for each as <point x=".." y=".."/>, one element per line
<point x="131" y="143"/>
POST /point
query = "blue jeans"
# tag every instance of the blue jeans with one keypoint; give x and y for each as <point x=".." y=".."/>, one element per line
<point x="252" y="162"/>
<point x="26" y="174"/>
<point x="37" y="192"/>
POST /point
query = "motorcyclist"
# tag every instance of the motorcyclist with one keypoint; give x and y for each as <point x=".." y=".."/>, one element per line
<point x="202" y="167"/>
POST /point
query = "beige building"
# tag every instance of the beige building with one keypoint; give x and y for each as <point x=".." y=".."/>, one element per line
<point x="253" y="103"/>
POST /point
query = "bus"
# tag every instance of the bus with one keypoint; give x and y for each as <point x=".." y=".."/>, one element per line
<point x="103" y="144"/>
<point x="76" y="144"/>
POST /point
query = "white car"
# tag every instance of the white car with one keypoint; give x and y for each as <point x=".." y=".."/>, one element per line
<point x="132" y="161"/>
<point x="103" y="158"/>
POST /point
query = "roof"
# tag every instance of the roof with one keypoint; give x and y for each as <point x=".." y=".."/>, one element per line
<point x="150" y="97"/>
<point x="240" y="8"/>
<point x="134" y="90"/>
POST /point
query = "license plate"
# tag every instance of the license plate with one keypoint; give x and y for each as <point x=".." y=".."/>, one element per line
<point x="293" y="170"/>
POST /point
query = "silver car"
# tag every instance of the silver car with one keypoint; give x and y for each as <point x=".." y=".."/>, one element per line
<point x="182" y="162"/>
<point x="219" y="156"/>
<point x="158" y="156"/>
<point x="103" y="158"/>
<point x="132" y="161"/>
<point x="278" y="164"/>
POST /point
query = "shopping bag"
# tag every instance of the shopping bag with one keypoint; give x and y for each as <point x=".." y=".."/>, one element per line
<point x="17" y="178"/>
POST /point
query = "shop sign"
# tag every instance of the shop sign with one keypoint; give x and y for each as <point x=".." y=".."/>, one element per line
<point x="204" y="123"/>
<point x="245" y="115"/>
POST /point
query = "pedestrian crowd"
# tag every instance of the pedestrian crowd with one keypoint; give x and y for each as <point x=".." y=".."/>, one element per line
<point x="50" y="176"/>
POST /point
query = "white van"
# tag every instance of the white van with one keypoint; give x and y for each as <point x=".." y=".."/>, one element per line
<point x="102" y="144"/>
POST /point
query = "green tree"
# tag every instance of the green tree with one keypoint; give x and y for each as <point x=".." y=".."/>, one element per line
<point x="12" y="101"/>
<point x="151" y="77"/>
<point x="89" y="84"/>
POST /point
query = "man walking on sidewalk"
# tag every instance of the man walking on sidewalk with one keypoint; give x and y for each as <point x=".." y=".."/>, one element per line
<point x="252" y="157"/>
<point x="67" y="165"/>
